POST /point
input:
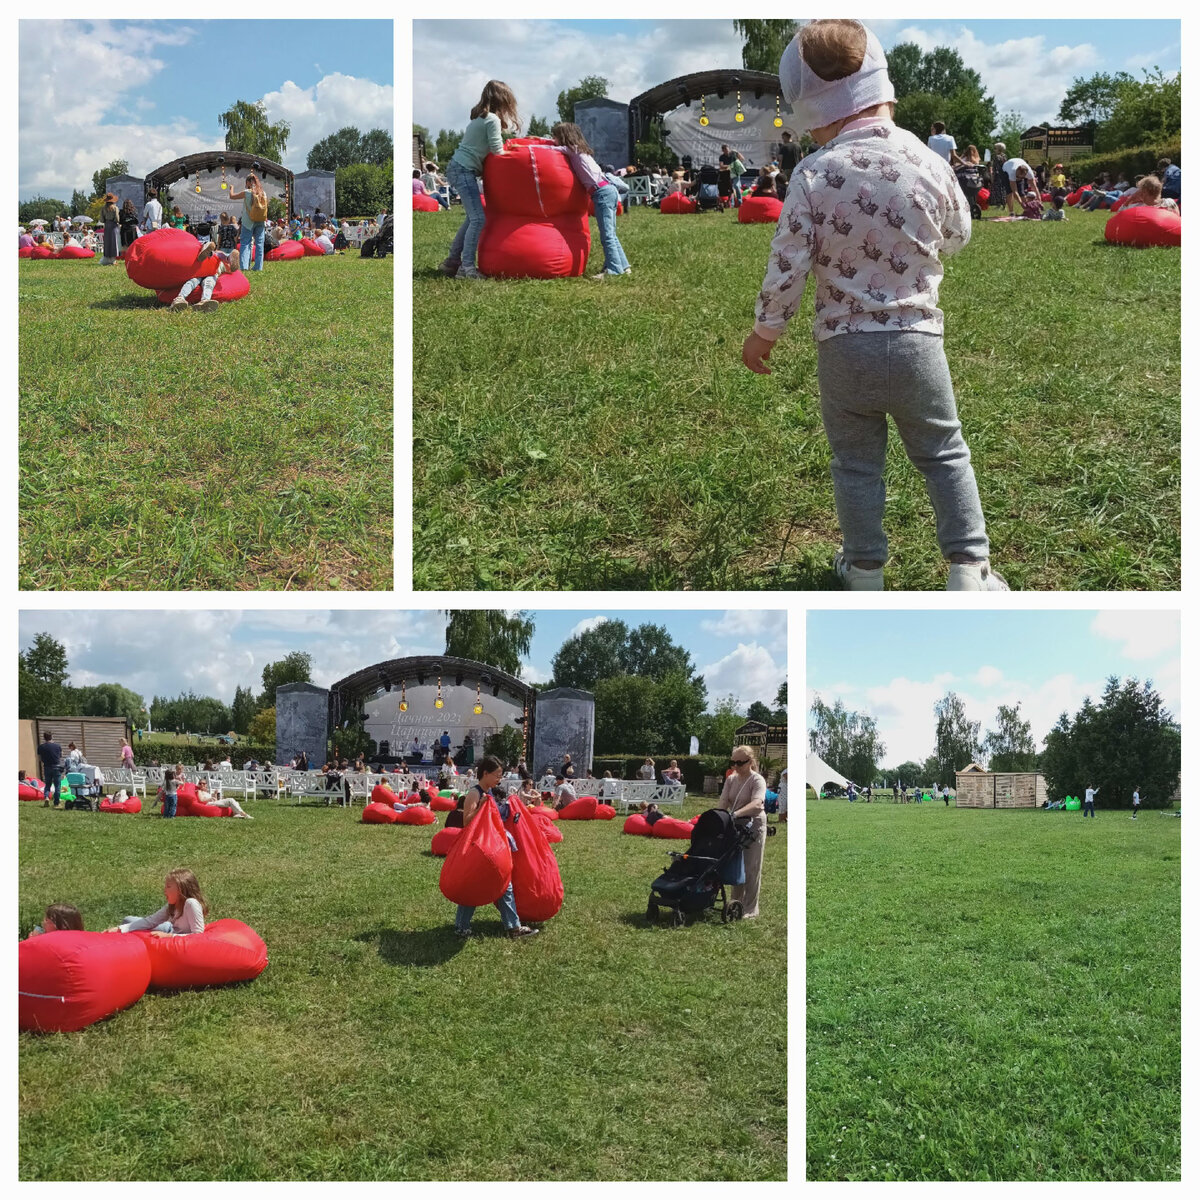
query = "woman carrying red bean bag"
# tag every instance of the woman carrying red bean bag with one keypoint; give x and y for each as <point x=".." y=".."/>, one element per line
<point x="131" y="804"/>
<point x="282" y="253"/>
<point x="1144" y="226"/>
<point x="69" y="979"/>
<point x="759" y="210"/>
<point x="478" y="868"/>
<point x="443" y="841"/>
<point x="635" y="823"/>
<point x="583" y="809"/>
<point x="677" y="202"/>
<point x="228" y="951"/>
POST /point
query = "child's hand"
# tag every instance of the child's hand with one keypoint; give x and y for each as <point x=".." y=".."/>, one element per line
<point x="755" y="352"/>
<point x="159" y="933"/>
<point x="113" y="929"/>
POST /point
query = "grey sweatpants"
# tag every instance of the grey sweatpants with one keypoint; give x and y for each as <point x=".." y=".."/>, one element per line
<point x="864" y="378"/>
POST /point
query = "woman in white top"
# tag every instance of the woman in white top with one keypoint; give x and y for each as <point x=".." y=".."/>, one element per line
<point x="744" y="795"/>
<point x="646" y="770"/>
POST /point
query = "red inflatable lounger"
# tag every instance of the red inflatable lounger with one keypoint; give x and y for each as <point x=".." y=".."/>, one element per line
<point x="311" y="249"/>
<point x="228" y="951"/>
<point x="377" y="813"/>
<point x="132" y="804"/>
<point x="26" y="791"/>
<point x="536" y="882"/>
<point x="669" y="827"/>
<point x="70" y="979"/>
<point x="228" y="287"/>
<point x="419" y="814"/>
<point x="424" y="203"/>
<point x="1144" y="226"/>
<point x="677" y="202"/>
<point x="25" y="252"/>
<point x="75" y="252"/>
<point x="605" y="812"/>
<point x="285" y="252"/>
<point x="188" y="802"/>
<point x="442" y="804"/>
<point x="167" y="258"/>
<point x="583" y="809"/>
<point x="479" y="865"/>
<point x="759" y="210"/>
<point x="443" y="841"/>
<point x="637" y="824"/>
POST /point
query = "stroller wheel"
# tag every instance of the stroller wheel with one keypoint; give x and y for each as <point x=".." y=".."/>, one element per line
<point x="771" y="831"/>
<point x="677" y="918"/>
<point x="734" y="910"/>
<point x="651" y="911"/>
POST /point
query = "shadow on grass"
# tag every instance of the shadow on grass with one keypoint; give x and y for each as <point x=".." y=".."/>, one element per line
<point x="414" y="947"/>
<point x="129" y="300"/>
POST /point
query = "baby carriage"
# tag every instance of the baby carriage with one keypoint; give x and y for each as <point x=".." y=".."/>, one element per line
<point x="970" y="179"/>
<point x="694" y="880"/>
<point x="708" y="194"/>
<point x="380" y="246"/>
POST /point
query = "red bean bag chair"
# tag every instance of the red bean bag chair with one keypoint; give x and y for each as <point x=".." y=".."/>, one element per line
<point x="677" y="202"/>
<point x="1047" y="196"/>
<point x="75" y="252"/>
<point x="546" y="811"/>
<point x="1078" y="194"/>
<point x="379" y="813"/>
<point x="285" y="251"/>
<point x="605" y="812"/>
<point x="424" y="203"/>
<point x="582" y="809"/>
<point x="70" y="979"/>
<point x="759" y="210"/>
<point x="442" y="804"/>
<point x="1144" y="226"/>
<point x="419" y="814"/>
<point x="382" y="794"/>
<point x="166" y="259"/>
<point x="443" y="840"/>
<point x="131" y="804"/>
<point x="537" y="217"/>
<point x="228" y="951"/>
<point x="637" y="824"/>
<point x="42" y="251"/>
<point x="228" y="287"/>
<point x="982" y="197"/>
<point x="479" y="865"/>
<point x="25" y="252"/>
<point x="311" y="249"/>
<point x="28" y="791"/>
<point x="536" y="881"/>
<point x="552" y="832"/>
<point x="188" y="803"/>
<point x="669" y="827"/>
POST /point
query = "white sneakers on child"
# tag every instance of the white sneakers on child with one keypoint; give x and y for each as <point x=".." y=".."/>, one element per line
<point x="974" y="577"/>
<point x="857" y="579"/>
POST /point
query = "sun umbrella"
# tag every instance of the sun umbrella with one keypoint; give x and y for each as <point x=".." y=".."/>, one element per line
<point x="39" y="221"/>
<point x="83" y="220"/>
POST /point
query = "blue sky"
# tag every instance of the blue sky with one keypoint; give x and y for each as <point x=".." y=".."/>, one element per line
<point x="150" y="91"/>
<point x="896" y="665"/>
<point x="742" y="652"/>
<point x="1026" y="65"/>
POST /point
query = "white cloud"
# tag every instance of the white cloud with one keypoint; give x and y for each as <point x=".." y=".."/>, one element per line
<point x="749" y="672"/>
<point x="585" y="626"/>
<point x="1154" y="58"/>
<point x="988" y="676"/>
<point x="1142" y="635"/>
<point x="769" y="625"/>
<point x="532" y="673"/>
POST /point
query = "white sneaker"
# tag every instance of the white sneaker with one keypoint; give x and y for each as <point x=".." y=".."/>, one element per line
<point x="468" y="273"/>
<point x="974" y="577"/>
<point x="857" y="579"/>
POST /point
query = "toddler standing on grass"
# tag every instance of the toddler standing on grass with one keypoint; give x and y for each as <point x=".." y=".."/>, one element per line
<point x="870" y="213"/>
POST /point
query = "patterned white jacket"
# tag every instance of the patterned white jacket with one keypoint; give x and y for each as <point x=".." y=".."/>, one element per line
<point x="869" y="214"/>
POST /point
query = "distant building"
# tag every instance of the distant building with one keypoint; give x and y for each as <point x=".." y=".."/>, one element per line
<point x="976" y="787"/>
<point x="1056" y="144"/>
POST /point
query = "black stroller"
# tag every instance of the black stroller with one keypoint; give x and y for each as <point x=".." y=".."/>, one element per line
<point x="381" y="245"/>
<point x="708" y="190"/>
<point x="694" y="881"/>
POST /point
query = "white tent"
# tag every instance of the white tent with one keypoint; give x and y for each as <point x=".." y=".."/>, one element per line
<point x="817" y="773"/>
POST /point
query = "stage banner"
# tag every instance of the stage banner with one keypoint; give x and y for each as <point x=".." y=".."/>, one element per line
<point x="756" y="138"/>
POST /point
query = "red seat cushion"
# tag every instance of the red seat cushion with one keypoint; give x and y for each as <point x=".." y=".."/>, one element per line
<point x="582" y="809"/>
<point x="228" y="951"/>
<point x="26" y="791"/>
<point x="25" y="252"/>
<point x="311" y="249"/>
<point x="519" y="247"/>
<point x="284" y="252"/>
<point x="479" y="865"/>
<point x="443" y="840"/>
<point x="669" y="827"/>
<point x="442" y="803"/>
<point x="983" y="196"/>
<point x="605" y="812"/>
<point x="760" y="210"/>
<point x="131" y="804"/>
<point x="677" y="202"/>
<point x="167" y="258"/>
<point x="382" y="794"/>
<point x="419" y="814"/>
<point x="532" y="179"/>
<point x="75" y="252"/>
<point x="70" y="979"/>
<point x="42" y="251"/>
<point x="637" y="824"/>
<point x="424" y="203"/>
<point x="228" y="287"/>
<point x="379" y="813"/>
<point x="1144" y="226"/>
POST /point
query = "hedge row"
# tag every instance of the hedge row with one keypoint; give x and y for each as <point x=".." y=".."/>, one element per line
<point x="189" y="753"/>
<point x="1126" y="163"/>
<point x="694" y="768"/>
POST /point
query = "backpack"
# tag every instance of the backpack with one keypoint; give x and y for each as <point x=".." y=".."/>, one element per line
<point x="258" y="208"/>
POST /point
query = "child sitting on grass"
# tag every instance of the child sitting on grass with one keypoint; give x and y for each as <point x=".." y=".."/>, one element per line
<point x="56" y="917"/>
<point x="1055" y="213"/>
<point x="183" y="913"/>
<point x="869" y="214"/>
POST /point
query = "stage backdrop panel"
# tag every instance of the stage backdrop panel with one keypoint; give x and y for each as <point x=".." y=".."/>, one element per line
<point x="301" y="722"/>
<point x="756" y="138"/>
<point x="316" y="189"/>
<point x="605" y="125"/>
<point x="566" y="724"/>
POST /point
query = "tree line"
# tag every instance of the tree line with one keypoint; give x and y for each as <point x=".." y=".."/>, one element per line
<point x="1124" y="740"/>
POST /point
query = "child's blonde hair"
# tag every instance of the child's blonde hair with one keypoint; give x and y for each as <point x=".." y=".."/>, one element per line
<point x="189" y="889"/>
<point x="1151" y="189"/>
<point x="497" y="98"/>
<point x="567" y="133"/>
<point x="833" y="49"/>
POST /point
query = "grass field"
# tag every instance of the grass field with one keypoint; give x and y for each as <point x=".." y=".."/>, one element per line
<point x="992" y="995"/>
<point x="377" y="1045"/>
<point x="578" y="435"/>
<point x="249" y="448"/>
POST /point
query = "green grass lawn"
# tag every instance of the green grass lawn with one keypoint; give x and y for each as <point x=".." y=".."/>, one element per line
<point x="579" y="435"/>
<point x="992" y="995"/>
<point x="249" y="448"/>
<point x="376" y="1045"/>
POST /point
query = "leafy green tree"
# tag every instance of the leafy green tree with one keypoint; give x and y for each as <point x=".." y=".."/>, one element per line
<point x="1009" y="130"/>
<point x="680" y="708"/>
<point x="262" y="727"/>
<point x="538" y="127"/>
<point x="447" y="143"/>
<point x="590" y="87"/>
<point x="907" y="773"/>
<point x="594" y="654"/>
<point x="419" y="131"/>
<point x="79" y="203"/>
<point x="956" y="739"/>
<point x="1010" y="745"/>
<point x="491" y="636"/>
<point x="904" y="62"/>
<point x="506" y="744"/>
<point x="936" y="85"/>
<point x="1128" y="740"/>
<point x="376" y="147"/>
<point x="627" y="716"/>
<point x="1092" y="99"/>
<point x="241" y="712"/>
<point x="45" y="207"/>
<point x="758" y="711"/>
<point x="296" y="667"/>
<point x="363" y="189"/>
<point x="1146" y="112"/>
<point x="781" y="696"/>
<point x="716" y="729"/>
<point x="113" y="700"/>
<point x="339" y="149"/>
<point x="848" y="741"/>
<point x="118" y="166"/>
<point x="249" y="130"/>
<point x="46" y="660"/>
<point x="276" y="209"/>
<point x="650" y="650"/>
<point x="763" y="43"/>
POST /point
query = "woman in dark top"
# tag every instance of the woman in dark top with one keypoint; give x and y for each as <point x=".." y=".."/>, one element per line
<point x="112" y="220"/>
<point x="129" y="227"/>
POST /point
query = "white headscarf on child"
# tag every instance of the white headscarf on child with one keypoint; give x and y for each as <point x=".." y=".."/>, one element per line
<point x="819" y="102"/>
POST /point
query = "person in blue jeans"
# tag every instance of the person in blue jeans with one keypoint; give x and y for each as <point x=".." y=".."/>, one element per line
<point x="490" y="770"/>
<point x="254" y="232"/>
<point x="1089" y="805"/>
<point x="604" y="196"/>
<point x="50" y="756"/>
<point x="168" y="797"/>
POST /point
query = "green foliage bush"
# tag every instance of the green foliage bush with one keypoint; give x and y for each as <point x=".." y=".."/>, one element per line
<point x="1126" y="163"/>
<point x="168" y="751"/>
<point x="694" y="767"/>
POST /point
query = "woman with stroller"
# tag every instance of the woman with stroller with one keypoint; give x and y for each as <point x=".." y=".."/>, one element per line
<point x="744" y="795"/>
<point x="969" y="174"/>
